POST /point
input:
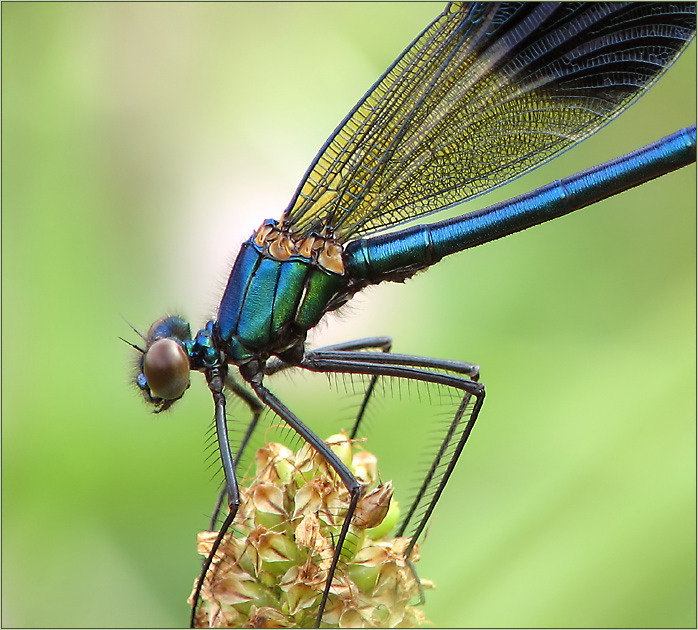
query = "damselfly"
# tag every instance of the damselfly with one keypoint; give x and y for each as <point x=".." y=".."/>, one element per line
<point x="487" y="92"/>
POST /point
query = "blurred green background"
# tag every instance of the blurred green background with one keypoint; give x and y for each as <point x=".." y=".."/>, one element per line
<point x="143" y="142"/>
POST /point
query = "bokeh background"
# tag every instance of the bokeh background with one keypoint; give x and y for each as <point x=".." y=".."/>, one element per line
<point x="142" y="143"/>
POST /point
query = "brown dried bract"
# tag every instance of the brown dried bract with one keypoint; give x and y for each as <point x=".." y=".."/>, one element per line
<point x="271" y="571"/>
<point x="373" y="507"/>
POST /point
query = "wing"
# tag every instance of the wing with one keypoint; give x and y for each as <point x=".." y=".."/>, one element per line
<point x="485" y="93"/>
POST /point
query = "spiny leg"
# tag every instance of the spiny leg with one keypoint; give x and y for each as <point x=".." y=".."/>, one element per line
<point x="381" y="343"/>
<point x="441" y="481"/>
<point x="350" y="481"/>
<point x="420" y="369"/>
<point x="384" y="347"/>
<point x="471" y="370"/>
<point x="216" y="379"/>
<point x="443" y="372"/>
<point x="384" y="344"/>
<point x="256" y="409"/>
<point x="275" y="364"/>
<point x="255" y="406"/>
<point x="378" y="364"/>
<point x="338" y="352"/>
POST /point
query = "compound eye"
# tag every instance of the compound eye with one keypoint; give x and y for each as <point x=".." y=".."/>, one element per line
<point x="166" y="368"/>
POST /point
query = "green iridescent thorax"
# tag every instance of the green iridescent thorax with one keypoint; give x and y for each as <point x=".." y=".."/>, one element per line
<point x="278" y="289"/>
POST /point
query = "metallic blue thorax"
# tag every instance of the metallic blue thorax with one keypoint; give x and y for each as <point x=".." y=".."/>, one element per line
<point x="270" y="303"/>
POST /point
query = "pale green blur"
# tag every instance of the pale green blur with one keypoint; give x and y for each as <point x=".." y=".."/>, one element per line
<point x="143" y="142"/>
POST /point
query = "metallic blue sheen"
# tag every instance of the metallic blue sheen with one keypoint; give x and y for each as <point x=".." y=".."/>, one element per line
<point x="398" y="255"/>
<point x="322" y="288"/>
<point x="292" y="279"/>
<point x="254" y="325"/>
<point x="268" y="304"/>
<point x="171" y="326"/>
<point x="141" y="381"/>
<point x="487" y="92"/>
<point x="202" y="350"/>
<point x="236" y="289"/>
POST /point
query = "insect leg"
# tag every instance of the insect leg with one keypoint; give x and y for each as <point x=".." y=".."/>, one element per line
<point x="452" y="374"/>
<point x="256" y="409"/>
<point x="350" y="481"/>
<point x="369" y="343"/>
<point x="216" y="379"/>
<point x="383" y="344"/>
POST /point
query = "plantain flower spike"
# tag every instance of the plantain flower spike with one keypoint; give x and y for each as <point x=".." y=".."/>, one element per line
<point x="270" y="572"/>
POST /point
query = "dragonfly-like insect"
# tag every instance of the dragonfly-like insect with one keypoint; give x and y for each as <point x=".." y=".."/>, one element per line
<point x="485" y="93"/>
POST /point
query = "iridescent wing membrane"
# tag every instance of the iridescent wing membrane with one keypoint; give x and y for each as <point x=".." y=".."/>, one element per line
<point x="487" y="92"/>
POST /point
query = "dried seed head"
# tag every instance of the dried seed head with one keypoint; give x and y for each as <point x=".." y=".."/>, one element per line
<point x="365" y="466"/>
<point x="274" y="462"/>
<point x="372" y="508"/>
<point x="270" y="572"/>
